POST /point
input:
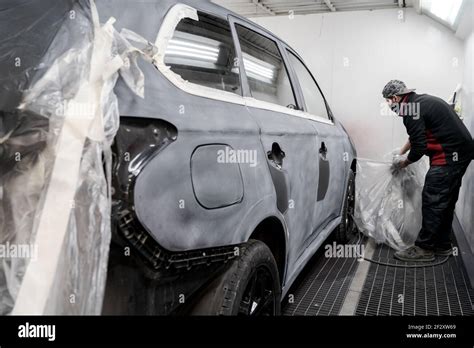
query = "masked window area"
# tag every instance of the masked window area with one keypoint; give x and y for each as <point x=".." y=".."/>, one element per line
<point x="388" y="200"/>
<point x="202" y="52"/>
<point x="59" y="116"/>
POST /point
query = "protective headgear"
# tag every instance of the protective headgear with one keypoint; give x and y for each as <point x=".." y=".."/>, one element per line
<point x="395" y="87"/>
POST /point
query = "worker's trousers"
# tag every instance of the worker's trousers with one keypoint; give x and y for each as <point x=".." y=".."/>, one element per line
<point x="440" y="194"/>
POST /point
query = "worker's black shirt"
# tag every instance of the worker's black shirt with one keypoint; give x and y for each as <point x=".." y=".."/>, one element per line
<point x="435" y="130"/>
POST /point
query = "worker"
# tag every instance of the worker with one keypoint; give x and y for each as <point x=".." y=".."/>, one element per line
<point x="434" y="130"/>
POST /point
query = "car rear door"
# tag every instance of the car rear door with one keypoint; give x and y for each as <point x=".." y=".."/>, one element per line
<point x="288" y="138"/>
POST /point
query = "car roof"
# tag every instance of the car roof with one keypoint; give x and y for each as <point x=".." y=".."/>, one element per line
<point x="137" y="14"/>
<point x="208" y="6"/>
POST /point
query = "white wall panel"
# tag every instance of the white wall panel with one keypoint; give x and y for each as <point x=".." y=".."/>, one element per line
<point x="353" y="55"/>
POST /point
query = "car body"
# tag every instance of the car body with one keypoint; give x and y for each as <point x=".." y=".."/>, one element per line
<point x="233" y="141"/>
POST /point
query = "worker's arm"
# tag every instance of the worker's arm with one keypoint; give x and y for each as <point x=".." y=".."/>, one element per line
<point x="416" y="130"/>
<point x="405" y="148"/>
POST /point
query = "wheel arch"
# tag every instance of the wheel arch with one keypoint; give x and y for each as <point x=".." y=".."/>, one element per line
<point x="352" y="168"/>
<point x="271" y="231"/>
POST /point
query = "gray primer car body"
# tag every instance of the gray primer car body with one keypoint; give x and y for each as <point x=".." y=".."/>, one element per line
<point x="186" y="201"/>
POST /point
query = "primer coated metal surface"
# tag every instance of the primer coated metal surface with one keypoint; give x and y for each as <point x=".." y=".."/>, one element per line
<point x="166" y="202"/>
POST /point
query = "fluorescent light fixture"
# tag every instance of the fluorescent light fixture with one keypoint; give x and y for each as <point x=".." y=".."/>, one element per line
<point x="258" y="69"/>
<point x="183" y="43"/>
<point x="445" y="10"/>
<point x="191" y="49"/>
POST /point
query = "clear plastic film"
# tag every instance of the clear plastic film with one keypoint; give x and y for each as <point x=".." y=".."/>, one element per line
<point x="55" y="156"/>
<point x="388" y="201"/>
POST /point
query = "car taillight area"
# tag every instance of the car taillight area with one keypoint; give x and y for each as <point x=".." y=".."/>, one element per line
<point x="136" y="142"/>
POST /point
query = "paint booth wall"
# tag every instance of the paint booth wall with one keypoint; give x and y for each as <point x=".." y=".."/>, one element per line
<point x="353" y="55"/>
<point x="465" y="206"/>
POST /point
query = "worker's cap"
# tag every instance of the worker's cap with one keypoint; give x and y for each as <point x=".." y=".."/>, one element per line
<point x="395" y="87"/>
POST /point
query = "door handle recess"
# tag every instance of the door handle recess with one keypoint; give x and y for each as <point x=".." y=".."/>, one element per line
<point x="324" y="172"/>
<point x="323" y="149"/>
<point x="276" y="155"/>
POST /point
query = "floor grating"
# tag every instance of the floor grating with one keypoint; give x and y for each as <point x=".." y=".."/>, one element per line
<point x="322" y="286"/>
<point x="437" y="290"/>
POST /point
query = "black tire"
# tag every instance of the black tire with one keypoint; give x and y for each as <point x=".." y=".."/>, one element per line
<point x="345" y="231"/>
<point x="231" y="293"/>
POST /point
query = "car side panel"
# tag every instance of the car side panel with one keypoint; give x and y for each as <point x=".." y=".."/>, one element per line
<point x="166" y="182"/>
<point x="165" y="200"/>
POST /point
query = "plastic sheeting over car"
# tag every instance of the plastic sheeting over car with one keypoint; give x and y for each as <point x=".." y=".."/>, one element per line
<point x="388" y="201"/>
<point x="58" y="119"/>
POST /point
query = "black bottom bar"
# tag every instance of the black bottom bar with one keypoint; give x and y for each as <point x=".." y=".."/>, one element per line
<point x="212" y="330"/>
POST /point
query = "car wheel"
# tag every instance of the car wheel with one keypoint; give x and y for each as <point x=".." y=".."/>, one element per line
<point x="249" y="286"/>
<point x="344" y="232"/>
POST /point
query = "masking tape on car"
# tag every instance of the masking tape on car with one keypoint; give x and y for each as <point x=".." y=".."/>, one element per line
<point x="96" y="91"/>
<point x="40" y="273"/>
<point x="168" y="28"/>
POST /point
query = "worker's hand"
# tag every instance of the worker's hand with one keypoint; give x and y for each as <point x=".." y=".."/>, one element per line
<point x="399" y="163"/>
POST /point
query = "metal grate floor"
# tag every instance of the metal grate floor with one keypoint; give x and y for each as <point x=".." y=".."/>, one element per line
<point x="437" y="290"/>
<point x="322" y="286"/>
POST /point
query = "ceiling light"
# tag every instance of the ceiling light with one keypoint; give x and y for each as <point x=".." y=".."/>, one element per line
<point x="191" y="49"/>
<point x="445" y="10"/>
<point x="258" y="69"/>
<point x="190" y="44"/>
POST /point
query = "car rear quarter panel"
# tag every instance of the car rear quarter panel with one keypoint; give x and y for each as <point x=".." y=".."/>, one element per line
<point x="165" y="200"/>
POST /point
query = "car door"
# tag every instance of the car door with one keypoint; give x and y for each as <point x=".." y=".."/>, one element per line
<point x="288" y="138"/>
<point x="331" y="154"/>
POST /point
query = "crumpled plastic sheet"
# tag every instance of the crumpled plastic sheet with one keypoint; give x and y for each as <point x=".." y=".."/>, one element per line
<point x="29" y="137"/>
<point x="388" y="202"/>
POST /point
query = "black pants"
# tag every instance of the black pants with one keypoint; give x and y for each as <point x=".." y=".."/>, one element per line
<point x="440" y="194"/>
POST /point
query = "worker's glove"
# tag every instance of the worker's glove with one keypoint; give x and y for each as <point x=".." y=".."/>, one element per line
<point x="398" y="164"/>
